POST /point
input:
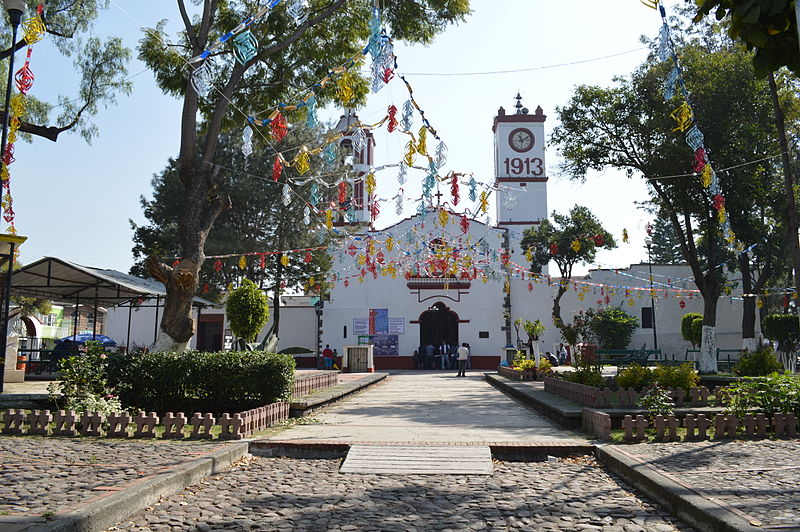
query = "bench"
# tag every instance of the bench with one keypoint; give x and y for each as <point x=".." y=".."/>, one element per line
<point x="626" y="357"/>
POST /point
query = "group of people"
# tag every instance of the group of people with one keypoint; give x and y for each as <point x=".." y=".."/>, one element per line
<point x="442" y="356"/>
<point x="329" y="356"/>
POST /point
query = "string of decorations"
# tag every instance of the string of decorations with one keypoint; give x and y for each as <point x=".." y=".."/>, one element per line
<point x="685" y="120"/>
<point x="34" y="31"/>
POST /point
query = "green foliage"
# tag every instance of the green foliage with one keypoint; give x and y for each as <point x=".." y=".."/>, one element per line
<point x="657" y="401"/>
<point x="683" y="376"/>
<point x="767" y="26"/>
<point x="758" y="364"/>
<point x="201" y="382"/>
<point x="666" y="246"/>
<point x="580" y="330"/>
<point x="773" y="394"/>
<point x="587" y="375"/>
<point x="534" y="329"/>
<point x="613" y="328"/>
<point x="635" y="376"/>
<point x="85" y="374"/>
<point x="782" y="328"/>
<point x="29" y="306"/>
<point x="247" y="309"/>
<point x="689" y="330"/>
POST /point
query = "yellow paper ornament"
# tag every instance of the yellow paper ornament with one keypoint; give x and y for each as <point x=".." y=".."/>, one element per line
<point x="285" y="260"/>
<point x="329" y="219"/>
<point x="370" y="182"/>
<point x="625" y="236"/>
<point x="242" y="263"/>
<point x="422" y="147"/>
<point x="484" y="203"/>
<point x="529" y="255"/>
<point x="34" y="29"/>
<point x="759" y="303"/>
<point x="576" y="246"/>
<point x="705" y="176"/>
<point x="410" y="151"/>
<point x="345" y="91"/>
<point x="301" y="161"/>
<point x="361" y="259"/>
<point x="312" y="281"/>
<point x="721" y="214"/>
<point x="443" y="217"/>
<point x="389" y="244"/>
<point x="683" y="115"/>
<point x="18" y="105"/>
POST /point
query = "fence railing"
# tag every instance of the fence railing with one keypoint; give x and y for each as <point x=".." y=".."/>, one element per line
<point x="305" y="385"/>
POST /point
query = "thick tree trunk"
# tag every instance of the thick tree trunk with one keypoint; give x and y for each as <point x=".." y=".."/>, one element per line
<point x="708" y="347"/>
<point x="276" y="297"/>
<point x="748" y="304"/>
<point x="557" y="305"/>
<point x="791" y="207"/>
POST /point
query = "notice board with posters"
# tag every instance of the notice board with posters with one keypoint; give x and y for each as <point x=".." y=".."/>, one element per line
<point x="385" y="345"/>
<point x="379" y="321"/>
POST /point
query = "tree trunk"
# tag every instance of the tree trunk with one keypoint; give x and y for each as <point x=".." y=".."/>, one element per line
<point x="276" y="298"/>
<point x="791" y="207"/>
<point x="557" y="305"/>
<point x="748" y="305"/>
<point x="708" y="346"/>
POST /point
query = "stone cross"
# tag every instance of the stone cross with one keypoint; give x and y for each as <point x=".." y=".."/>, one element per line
<point x="173" y="425"/>
<point x="725" y="426"/>
<point x="92" y="424"/>
<point x="145" y="425"/>
<point x="231" y="427"/>
<point x="13" y="420"/>
<point x="206" y="422"/>
<point x="65" y="423"/>
<point x="678" y="395"/>
<point x="118" y="425"/>
<point x="629" y="424"/>
<point x="696" y="427"/>
<point x="791" y="425"/>
<point x="39" y="422"/>
<point x="761" y="426"/>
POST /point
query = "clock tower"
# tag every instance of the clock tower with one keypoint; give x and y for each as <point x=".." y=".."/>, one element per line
<point x="519" y="169"/>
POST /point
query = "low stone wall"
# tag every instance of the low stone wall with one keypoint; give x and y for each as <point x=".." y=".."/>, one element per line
<point x="117" y="425"/>
<point x="579" y="393"/>
<point x="516" y="374"/>
<point x="754" y="427"/>
<point x="597" y="423"/>
<point x="305" y="385"/>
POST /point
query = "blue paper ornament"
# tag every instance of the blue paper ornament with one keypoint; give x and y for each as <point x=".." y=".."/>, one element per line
<point x="694" y="138"/>
<point x="473" y="189"/>
<point x="311" y="112"/>
<point x="408" y="116"/>
<point x="402" y="174"/>
<point x="440" y="155"/>
<point x="672" y="80"/>
<point x="201" y="79"/>
<point x="329" y="154"/>
<point x="245" y="47"/>
<point x="664" y="44"/>
<point x="247" y="141"/>
<point x="314" y="197"/>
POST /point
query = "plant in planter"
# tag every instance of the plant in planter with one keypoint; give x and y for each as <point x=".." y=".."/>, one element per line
<point x="658" y="402"/>
<point x="758" y="363"/>
<point x="248" y="311"/>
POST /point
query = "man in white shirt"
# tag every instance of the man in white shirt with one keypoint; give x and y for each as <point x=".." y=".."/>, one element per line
<point x="463" y="355"/>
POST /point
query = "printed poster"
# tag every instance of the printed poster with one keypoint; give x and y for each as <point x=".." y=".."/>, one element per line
<point x="378" y="321"/>
<point x="397" y="325"/>
<point x="385" y="345"/>
<point x="360" y="326"/>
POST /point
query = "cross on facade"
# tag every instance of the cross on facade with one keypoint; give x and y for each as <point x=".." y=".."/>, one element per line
<point x="438" y="198"/>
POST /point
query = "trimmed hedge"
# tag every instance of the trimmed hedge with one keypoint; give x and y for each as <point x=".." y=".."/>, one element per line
<point x="194" y="381"/>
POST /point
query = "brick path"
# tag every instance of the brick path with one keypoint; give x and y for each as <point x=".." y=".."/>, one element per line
<point x="53" y="475"/>
<point x="285" y="494"/>
<point x="759" y="480"/>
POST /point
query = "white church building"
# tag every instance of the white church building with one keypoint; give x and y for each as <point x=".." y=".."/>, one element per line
<point x="407" y="285"/>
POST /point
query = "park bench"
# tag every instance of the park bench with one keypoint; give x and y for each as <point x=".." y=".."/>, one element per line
<point x="613" y="356"/>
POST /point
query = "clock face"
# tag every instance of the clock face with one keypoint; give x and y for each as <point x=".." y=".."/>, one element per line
<point x="521" y="139"/>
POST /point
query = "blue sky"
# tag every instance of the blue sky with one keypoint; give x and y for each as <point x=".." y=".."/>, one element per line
<point x="74" y="200"/>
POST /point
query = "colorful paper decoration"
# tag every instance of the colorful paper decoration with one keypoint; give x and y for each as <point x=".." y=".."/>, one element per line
<point x="345" y="91"/>
<point x="408" y="116"/>
<point x="443" y="217"/>
<point x="694" y="138"/>
<point x="278" y="127"/>
<point x="473" y="189"/>
<point x="277" y="168"/>
<point x="359" y="140"/>
<point x="455" y="198"/>
<point x="389" y="244"/>
<point x="440" y="155"/>
<point x="302" y="161"/>
<point x="329" y="219"/>
<point x="247" y="141"/>
<point x="391" y="122"/>
<point x="625" y="238"/>
<point x="402" y="174"/>
<point x="240" y="27"/>
<point x="217" y="265"/>
<point x="398" y="207"/>
<point x="245" y="47"/>
<point x="298" y="10"/>
<point x="484" y="204"/>
<point x="408" y="159"/>
<point x="342" y="191"/>
<point x="374" y="210"/>
<point x="683" y="115"/>
<point x="311" y="111"/>
<point x="422" y="147"/>
<point x="576" y="246"/>
<point x="329" y="154"/>
<point x="308" y="257"/>
<point x="286" y="197"/>
<point x="242" y="262"/>
<point x="369" y="181"/>
<point x="314" y="196"/>
<point x="201" y="78"/>
<point x="284" y="260"/>
<point x="669" y="84"/>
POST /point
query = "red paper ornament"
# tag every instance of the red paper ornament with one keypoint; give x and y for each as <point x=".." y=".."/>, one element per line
<point x="553" y="248"/>
<point x="205" y="288"/>
<point x="342" y="192"/>
<point x="24" y="78"/>
<point x="607" y="300"/>
<point x="530" y="287"/>
<point x="682" y="304"/>
<point x="352" y="250"/>
<point x="308" y="258"/>
<point x="599" y="240"/>
<point x="388" y="75"/>
<point x="379" y="257"/>
<point x="785" y="301"/>
<point x="391" y="123"/>
<point x="279" y="127"/>
<point x="8" y="155"/>
<point x="346" y="283"/>
<point x="277" y="168"/>
<point x="719" y="201"/>
<point x="217" y="265"/>
<point x="454" y="189"/>
<point x="175" y="263"/>
<point x="374" y="210"/>
<point x="262" y="261"/>
<point x="699" y="160"/>
<point x="464" y="224"/>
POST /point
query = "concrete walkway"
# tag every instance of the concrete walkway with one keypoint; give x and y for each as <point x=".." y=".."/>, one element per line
<point x="429" y="406"/>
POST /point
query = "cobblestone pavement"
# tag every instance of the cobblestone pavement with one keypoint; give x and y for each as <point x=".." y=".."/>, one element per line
<point x="286" y="494"/>
<point x="759" y="480"/>
<point x="49" y="475"/>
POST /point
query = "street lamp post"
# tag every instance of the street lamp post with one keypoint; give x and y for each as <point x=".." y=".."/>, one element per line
<point x="15" y="8"/>
<point x="318" y="306"/>
<point x="649" y="244"/>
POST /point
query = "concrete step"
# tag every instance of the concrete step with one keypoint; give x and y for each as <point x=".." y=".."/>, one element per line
<point x="418" y="460"/>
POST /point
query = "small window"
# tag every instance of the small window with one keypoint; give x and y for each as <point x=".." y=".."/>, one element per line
<point x="647" y="317"/>
<point x="344" y="331"/>
<point x="483" y="334"/>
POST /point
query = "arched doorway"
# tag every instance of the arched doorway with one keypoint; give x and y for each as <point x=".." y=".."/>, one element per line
<point x="438" y="324"/>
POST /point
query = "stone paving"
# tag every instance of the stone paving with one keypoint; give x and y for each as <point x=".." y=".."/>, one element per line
<point x="759" y="480"/>
<point x="429" y="406"/>
<point x="286" y="494"/>
<point x="48" y="475"/>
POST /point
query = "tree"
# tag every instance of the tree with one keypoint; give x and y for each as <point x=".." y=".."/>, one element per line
<point x="628" y="126"/>
<point x="247" y="309"/>
<point x="258" y="222"/>
<point x="299" y="55"/>
<point x="784" y="329"/>
<point x="691" y="328"/>
<point x="666" y="247"/>
<point x="567" y="240"/>
<point x="101" y="65"/>
<point x="613" y="328"/>
<point x="768" y="26"/>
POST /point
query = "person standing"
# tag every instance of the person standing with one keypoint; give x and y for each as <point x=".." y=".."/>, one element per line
<point x="444" y="354"/>
<point x="327" y="356"/>
<point x="429" y="356"/>
<point x="463" y="357"/>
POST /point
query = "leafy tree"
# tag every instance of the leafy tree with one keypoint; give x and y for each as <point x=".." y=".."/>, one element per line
<point x="101" y="65"/>
<point x="567" y="240"/>
<point x="768" y="26"/>
<point x="666" y="247"/>
<point x="613" y="328"/>
<point x="290" y="56"/>
<point x="628" y="126"/>
<point x="690" y="331"/>
<point x="258" y="222"/>
<point x="247" y="309"/>
<point x="784" y="329"/>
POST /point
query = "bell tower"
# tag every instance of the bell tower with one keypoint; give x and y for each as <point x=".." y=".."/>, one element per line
<point x="361" y="162"/>
<point x="519" y="170"/>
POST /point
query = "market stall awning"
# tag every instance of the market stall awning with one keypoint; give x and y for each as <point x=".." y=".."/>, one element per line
<point x="62" y="281"/>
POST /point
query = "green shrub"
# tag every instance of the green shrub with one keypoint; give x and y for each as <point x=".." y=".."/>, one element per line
<point x="689" y="329"/>
<point x="773" y="394"/>
<point x="634" y="376"/>
<point x="758" y="363"/>
<point x="194" y="381"/>
<point x="683" y="376"/>
<point x="247" y="309"/>
<point x="658" y="402"/>
<point x="84" y="374"/>
<point x="587" y="375"/>
<point x="613" y="328"/>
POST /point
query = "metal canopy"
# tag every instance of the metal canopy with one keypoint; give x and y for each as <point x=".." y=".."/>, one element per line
<point x="62" y="281"/>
